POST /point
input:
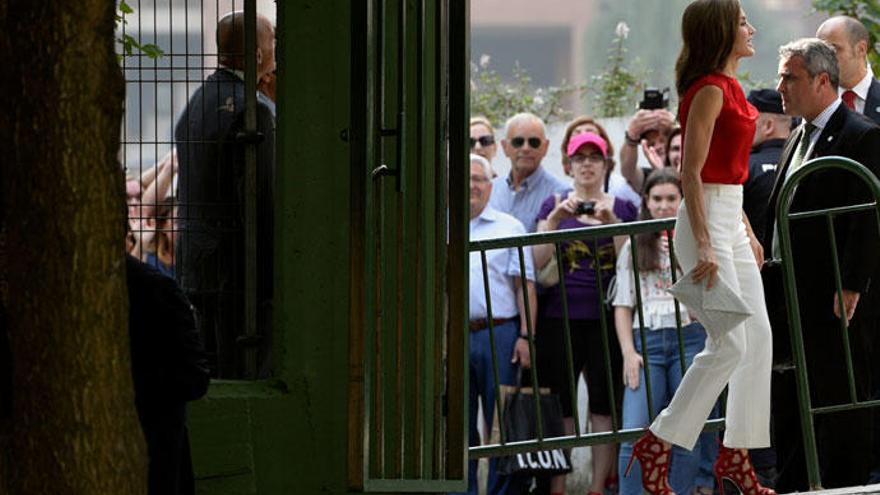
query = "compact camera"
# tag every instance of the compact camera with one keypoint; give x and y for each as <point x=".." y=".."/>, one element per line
<point x="654" y="99"/>
<point x="586" y="208"/>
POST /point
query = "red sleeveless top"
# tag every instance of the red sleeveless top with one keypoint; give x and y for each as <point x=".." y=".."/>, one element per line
<point x="728" y="158"/>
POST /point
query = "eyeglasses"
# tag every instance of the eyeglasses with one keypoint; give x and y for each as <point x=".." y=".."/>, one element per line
<point x="592" y="158"/>
<point x="484" y="141"/>
<point x="534" y="142"/>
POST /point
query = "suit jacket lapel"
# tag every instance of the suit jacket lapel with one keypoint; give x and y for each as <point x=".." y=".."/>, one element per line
<point x="781" y="170"/>
<point x="784" y="161"/>
<point x="828" y="138"/>
<point x="872" y="102"/>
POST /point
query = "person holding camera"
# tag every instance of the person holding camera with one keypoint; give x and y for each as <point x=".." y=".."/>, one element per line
<point x="583" y="261"/>
<point x="649" y="130"/>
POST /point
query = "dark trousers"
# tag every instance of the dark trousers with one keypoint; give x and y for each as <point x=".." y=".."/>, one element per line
<point x="844" y="439"/>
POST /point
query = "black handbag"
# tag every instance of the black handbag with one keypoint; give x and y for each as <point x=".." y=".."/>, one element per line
<point x="520" y="424"/>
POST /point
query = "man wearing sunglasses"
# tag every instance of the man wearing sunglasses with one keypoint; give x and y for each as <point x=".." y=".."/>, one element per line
<point x="528" y="184"/>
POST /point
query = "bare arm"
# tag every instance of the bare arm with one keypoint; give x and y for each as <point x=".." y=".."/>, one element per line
<point x="632" y="360"/>
<point x="158" y="189"/>
<point x="704" y="109"/>
<point x="629" y="152"/>
<point x="564" y="209"/>
<point x="521" y="353"/>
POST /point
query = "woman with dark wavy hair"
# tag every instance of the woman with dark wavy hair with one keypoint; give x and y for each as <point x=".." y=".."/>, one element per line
<point x="713" y="240"/>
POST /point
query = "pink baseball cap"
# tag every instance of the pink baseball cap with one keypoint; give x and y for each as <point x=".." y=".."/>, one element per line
<point x="575" y="143"/>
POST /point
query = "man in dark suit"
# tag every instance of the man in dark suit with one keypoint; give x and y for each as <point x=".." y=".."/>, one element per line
<point x="809" y="78"/>
<point x="210" y="252"/>
<point x="860" y="90"/>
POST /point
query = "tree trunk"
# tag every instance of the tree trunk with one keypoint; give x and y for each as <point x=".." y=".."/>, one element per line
<point x="72" y="426"/>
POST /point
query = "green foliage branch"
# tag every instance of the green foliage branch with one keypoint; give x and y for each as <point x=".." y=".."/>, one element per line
<point x="867" y="11"/>
<point x="497" y="99"/>
<point x="616" y="89"/>
<point x="128" y="42"/>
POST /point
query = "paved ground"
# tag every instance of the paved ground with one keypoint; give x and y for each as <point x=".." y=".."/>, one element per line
<point x="853" y="490"/>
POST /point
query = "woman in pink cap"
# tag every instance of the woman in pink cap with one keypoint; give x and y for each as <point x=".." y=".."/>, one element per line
<point x="582" y="263"/>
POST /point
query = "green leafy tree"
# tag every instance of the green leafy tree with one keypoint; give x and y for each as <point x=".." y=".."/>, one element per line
<point x="497" y="100"/>
<point x="867" y="11"/>
<point x="617" y="87"/>
<point x="128" y="42"/>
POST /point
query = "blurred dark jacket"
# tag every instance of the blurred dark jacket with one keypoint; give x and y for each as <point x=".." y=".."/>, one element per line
<point x="169" y="368"/>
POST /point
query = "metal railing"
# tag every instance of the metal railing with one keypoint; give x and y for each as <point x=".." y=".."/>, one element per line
<point x="587" y="234"/>
<point x="785" y="217"/>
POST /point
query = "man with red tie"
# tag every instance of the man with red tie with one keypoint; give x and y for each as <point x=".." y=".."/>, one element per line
<point x="860" y="91"/>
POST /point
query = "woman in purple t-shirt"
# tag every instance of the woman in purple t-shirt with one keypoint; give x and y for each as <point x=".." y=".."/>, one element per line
<point x="586" y="205"/>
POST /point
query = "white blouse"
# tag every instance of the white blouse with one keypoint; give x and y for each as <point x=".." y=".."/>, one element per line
<point x="658" y="306"/>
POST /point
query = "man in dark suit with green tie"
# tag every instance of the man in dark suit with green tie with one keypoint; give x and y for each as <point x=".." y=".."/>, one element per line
<point x="809" y="78"/>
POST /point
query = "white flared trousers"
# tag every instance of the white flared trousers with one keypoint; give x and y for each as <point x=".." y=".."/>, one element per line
<point x="742" y="357"/>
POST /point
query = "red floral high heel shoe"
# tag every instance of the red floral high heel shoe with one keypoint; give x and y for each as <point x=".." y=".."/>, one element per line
<point x="654" y="456"/>
<point x="734" y="466"/>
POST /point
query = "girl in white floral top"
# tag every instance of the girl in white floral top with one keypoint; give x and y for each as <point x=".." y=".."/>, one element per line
<point x="661" y="200"/>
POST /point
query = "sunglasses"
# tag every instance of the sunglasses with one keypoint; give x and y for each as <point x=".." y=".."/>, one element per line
<point x="519" y="141"/>
<point x="483" y="140"/>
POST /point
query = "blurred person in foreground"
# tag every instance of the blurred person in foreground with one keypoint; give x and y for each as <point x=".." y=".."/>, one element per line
<point x="713" y="240"/>
<point x="528" y="184"/>
<point x="169" y="369"/>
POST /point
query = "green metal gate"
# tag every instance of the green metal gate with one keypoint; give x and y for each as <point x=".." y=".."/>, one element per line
<point x="785" y="217"/>
<point x="407" y="394"/>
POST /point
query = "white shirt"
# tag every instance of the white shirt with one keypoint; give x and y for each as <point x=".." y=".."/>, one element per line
<point x="820" y="122"/>
<point x="861" y="91"/>
<point x="658" y="306"/>
<point x="502" y="265"/>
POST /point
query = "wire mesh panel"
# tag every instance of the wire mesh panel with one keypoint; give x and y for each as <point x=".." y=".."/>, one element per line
<point x="198" y="150"/>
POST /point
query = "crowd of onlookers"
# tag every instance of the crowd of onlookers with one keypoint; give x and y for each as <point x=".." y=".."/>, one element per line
<point x="532" y="199"/>
<point x="604" y="187"/>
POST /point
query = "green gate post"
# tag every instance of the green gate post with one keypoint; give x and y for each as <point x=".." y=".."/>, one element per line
<point x="784" y="217"/>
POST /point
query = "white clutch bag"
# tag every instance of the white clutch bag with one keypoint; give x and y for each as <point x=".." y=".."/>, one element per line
<point x="719" y="309"/>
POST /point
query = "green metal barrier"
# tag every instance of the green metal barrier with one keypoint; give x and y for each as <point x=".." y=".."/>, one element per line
<point x="784" y="218"/>
<point x="579" y="438"/>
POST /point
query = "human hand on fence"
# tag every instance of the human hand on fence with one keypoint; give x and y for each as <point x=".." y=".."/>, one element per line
<point x="632" y="364"/>
<point x="850" y="301"/>
<point x="521" y="354"/>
